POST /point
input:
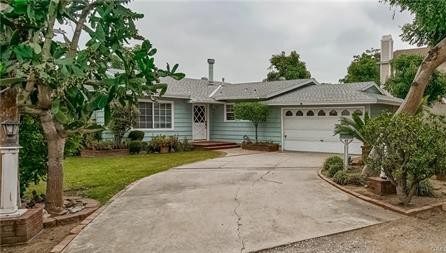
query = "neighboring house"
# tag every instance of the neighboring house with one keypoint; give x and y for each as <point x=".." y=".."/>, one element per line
<point x="387" y="54"/>
<point x="302" y="117"/>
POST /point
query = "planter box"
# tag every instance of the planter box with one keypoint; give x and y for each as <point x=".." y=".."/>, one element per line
<point x="107" y="152"/>
<point x="270" y="147"/>
<point x="380" y="186"/>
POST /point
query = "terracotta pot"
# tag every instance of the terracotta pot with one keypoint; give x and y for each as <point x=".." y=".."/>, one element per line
<point x="164" y="150"/>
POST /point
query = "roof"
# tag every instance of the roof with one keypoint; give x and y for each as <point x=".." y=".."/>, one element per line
<point x="287" y="92"/>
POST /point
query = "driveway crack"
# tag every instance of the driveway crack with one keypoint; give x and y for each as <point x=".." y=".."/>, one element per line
<point x="263" y="178"/>
<point x="239" y="220"/>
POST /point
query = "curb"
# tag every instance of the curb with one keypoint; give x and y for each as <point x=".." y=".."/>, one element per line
<point x="408" y="212"/>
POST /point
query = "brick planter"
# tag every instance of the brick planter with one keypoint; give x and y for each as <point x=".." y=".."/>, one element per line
<point x="107" y="152"/>
<point x="268" y="147"/>
<point x="380" y="186"/>
<point x="16" y="230"/>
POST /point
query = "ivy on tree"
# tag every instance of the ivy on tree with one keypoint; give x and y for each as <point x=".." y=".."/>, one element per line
<point x="61" y="81"/>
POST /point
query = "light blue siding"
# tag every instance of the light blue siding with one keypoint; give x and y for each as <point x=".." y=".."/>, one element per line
<point x="235" y="130"/>
<point x="182" y="123"/>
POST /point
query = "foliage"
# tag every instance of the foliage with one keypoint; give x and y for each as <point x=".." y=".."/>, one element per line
<point x="123" y="118"/>
<point x="341" y="177"/>
<point x="136" y="135"/>
<point x="33" y="154"/>
<point x="425" y="189"/>
<point x="102" y="145"/>
<point x="409" y="149"/>
<point x="135" y="147"/>
<point x="405" y="68"/>
<point x="332" y="160"/>
<point x="427" y="27"/>
<point x="185" y="145"/>
<point x="74" y="145"/>
<point x="355" y="127"/>
<point x="255" y="112"/>
<point x="101" y="178"/>
<point x="64" y="82"/>
<point x="288" y="67"/>
<point x="356" y="179"/>
<point x="364" y="67"/>
<point x="334" y="168"/>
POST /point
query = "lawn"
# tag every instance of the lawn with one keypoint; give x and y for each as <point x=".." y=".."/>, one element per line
<point x="102" y="177"/>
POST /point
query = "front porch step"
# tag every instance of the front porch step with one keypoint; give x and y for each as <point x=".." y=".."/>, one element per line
<point x="212" y="145"/>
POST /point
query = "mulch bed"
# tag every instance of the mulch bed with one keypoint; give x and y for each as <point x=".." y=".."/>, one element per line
<point x="268" y="147"/>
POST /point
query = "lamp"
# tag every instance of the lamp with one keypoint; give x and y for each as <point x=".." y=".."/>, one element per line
<point x="346" y="139"/>
<point x="11" y="130"/>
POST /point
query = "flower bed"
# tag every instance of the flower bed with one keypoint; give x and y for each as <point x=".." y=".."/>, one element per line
<point x="268" y="147"/>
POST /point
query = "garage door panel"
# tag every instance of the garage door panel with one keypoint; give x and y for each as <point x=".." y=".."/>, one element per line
<point x="315" y="133"/>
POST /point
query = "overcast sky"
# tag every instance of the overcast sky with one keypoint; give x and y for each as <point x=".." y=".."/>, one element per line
<point x="242" y="35"/>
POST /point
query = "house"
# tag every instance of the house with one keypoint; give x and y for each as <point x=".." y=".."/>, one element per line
<point x="302" y="117"/>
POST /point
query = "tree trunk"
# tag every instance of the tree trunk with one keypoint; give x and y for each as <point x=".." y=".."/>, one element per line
<point x="54" y="185"/>
<point x="435" y="57"/>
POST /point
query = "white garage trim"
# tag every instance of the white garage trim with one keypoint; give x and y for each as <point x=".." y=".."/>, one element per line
<point x="299" y="142"/>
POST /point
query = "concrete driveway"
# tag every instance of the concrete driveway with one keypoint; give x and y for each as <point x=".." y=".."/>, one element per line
<point x="238" y="203"/>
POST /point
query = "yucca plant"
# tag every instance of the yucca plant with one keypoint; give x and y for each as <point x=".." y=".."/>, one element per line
<point x="355" y="127"/>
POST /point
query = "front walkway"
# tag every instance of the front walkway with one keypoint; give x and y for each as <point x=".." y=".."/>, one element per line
<point x="238" y="203"/>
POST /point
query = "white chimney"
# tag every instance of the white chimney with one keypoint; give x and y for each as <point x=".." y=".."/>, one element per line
<point x="386" y="56"/>
<point x="211" y="69"/>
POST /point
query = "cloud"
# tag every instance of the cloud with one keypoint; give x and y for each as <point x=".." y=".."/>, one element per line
<point x="242" y="36"/>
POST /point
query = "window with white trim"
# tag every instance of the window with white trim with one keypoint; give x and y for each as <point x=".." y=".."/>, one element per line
<point x="154" y="115"/>
<point x="229" y="112"/>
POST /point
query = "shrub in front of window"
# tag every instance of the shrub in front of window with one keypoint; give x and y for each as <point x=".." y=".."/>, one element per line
<point x="135" y="147"/>
<point x="136" y="135"/>
<point x="253" y="111"/>
<point x="123" y="117"/>
<point x="409" y="149"/>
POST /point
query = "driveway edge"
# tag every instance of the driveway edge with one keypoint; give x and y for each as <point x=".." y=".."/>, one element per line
<point x="409" y="212"/>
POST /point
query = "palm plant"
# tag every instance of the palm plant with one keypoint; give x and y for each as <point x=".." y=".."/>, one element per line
<point x="355" y="127"/>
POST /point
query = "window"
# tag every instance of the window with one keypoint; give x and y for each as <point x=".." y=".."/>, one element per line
<point x="288" y="113"/>
<point x="358" y="112"/>
<point x="321" y="113"/>
<point x="333" y="113"/>
<point x="299" y="113"/>
<point x="154" y="115"/>
<point x="229" y="112"/>
<point x="310" y="113"/>
<point x="345" y="113"/>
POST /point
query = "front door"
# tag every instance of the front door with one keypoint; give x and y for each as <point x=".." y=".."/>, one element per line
<point x="199" y="122"/>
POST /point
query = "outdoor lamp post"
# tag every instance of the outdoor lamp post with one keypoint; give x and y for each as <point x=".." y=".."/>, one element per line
<point x="9" y="152"/>
<point x="346" y="140"/>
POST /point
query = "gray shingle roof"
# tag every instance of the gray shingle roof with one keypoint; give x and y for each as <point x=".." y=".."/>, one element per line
<point x="352" y="93"/>
<point x="290" y="92"/>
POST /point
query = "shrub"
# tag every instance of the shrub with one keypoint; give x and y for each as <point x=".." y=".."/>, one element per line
<point x="33" y="154"/>
<point x="332" y="160"/>
<point x="74" y="145"/>
<point x="135" y="147"/>
<point x="410" y="149"/>
<point x="136" y="135"/>
<point x="123" y="118"/>
<point x="103" y="145"/>
<point x="334" y="168"/>
<point x="356" y="179"/>
<point x="341" y="177"/>
<point x="174" y="143"/>
<point x="425" y="188"/>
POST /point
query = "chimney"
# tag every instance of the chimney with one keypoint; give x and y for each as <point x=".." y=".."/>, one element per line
<point x="386" y="56"/>
<point x="211" y="69"/>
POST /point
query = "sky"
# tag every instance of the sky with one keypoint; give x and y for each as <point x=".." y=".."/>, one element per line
<point x="242" y="35"/>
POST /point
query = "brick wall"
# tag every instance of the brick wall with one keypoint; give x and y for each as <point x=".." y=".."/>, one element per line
<point x="21" y="229"/>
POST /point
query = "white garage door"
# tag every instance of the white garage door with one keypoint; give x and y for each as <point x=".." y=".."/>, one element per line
<point x="311" y="129"/>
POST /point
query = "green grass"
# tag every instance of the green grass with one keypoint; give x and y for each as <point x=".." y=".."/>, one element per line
<point x="102" y="177"/>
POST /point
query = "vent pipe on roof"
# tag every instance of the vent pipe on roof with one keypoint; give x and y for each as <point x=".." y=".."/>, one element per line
<point x="211" y="69"/>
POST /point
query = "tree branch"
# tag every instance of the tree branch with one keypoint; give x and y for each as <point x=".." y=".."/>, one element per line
<point x="79" y="27"/>
<point x="52" y="11"/>
<point x="31" y="110"/>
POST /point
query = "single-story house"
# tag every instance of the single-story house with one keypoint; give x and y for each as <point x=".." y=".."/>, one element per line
<point x="302" y="116"/>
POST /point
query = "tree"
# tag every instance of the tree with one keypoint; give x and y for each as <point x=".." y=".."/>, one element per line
<point x="123" y="118"/>
<point x="404" y="70"/>
<point x="289" y="67"/>
<point x="62" y="82"/>
<point x="427" y="28"/>
<point x="364" y="68"/>
<point x="253" y="111"/>
<point x="412" y="151"/>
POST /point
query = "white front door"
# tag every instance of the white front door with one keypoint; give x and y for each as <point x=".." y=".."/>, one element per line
<point x="199" y="122"/>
